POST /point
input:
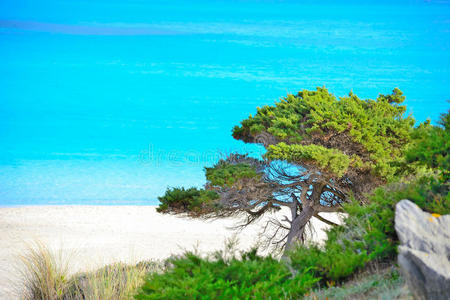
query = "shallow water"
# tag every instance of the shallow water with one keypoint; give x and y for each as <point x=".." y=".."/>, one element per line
<point x="107" y="102"/>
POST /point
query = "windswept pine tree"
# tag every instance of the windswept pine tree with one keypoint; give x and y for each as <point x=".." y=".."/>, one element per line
<point x="320" y="151"/>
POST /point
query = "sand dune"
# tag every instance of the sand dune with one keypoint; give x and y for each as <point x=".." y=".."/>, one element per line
<point x="98" y="235"/>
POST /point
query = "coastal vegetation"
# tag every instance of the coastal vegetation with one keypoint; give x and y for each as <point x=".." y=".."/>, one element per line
<point x="47" y="275"/>
<point x="358" y="257"/>
<point x="243" y="276"/>
<point x="323" y="154"/>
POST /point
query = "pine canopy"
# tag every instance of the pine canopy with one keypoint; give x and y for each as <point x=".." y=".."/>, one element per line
<point x="337" y="136"/>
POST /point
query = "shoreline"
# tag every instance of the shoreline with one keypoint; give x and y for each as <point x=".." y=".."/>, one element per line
<point x="79" y="204"/>
<point x="96" y="235"/>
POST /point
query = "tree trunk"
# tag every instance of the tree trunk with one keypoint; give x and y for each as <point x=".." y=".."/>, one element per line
<point x="298" y="227"/>
<point x="298" y="223"/>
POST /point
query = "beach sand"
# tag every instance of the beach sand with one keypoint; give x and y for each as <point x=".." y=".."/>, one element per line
<point x="97" y="235"/>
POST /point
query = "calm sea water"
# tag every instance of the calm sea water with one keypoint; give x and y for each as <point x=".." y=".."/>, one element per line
<point x="111" y="102"/>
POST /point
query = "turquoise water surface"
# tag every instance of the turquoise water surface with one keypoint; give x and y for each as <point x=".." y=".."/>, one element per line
<point x="110" y="102"/>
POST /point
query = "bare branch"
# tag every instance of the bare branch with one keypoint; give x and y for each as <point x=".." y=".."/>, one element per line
<point x="322" y="208"/>
<point x="325" y="220"/>
<point x="283" y="203"/>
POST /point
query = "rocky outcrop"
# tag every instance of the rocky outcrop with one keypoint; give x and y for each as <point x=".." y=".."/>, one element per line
<point x="424" y="251"/>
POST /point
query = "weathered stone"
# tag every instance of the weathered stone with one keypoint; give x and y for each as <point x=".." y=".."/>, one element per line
<point x="424" y="253"/>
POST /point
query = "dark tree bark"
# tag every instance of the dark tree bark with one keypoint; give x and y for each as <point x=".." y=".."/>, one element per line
<point x="305" y="192"/>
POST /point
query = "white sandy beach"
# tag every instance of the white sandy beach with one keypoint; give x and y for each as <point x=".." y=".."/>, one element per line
<point x="98" y="235"/>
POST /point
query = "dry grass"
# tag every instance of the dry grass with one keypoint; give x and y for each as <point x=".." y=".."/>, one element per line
<point x="375" y="284"/>
<point x="46" y="276"/>
<point x="116" y="281"/>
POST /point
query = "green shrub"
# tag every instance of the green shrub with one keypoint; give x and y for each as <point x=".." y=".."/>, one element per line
<point x="367" y="236"/>
<point x="190" y="200"/>
<point x="387" y="284"/>
<point x="431" y="146"/>
<point x="368" y="233"/>
<point x="217" y="277"/>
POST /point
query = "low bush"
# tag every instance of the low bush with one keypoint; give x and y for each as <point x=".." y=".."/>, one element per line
<point x="247" y="277"/>
<point x="366" y="238"/>
<point x="192" y="200"/>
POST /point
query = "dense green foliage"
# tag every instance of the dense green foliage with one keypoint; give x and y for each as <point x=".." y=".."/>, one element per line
<point x="329" y="160"/>
<point x="375" y="131"/>
<point x="367" y="236"/>
<point x="368" y="233"/>
<point x="190" y="200"/>
<point x="248" y="277"/>
<point x="431" y="146"/>
<point x="224" y="174"/>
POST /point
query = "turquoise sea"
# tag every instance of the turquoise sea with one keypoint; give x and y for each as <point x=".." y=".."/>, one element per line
<point x="110" y="102"/>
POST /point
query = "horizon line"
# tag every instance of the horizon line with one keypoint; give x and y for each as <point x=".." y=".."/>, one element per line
<point x="72" y="29"/>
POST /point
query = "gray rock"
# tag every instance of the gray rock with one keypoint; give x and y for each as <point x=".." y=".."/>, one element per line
<point x="424" y="251"/>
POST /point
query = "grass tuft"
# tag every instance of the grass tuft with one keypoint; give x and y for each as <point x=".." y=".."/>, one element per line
<point x="116" y="281"/>
<point x="44" y="274"/>
<point x="385" y="284"/>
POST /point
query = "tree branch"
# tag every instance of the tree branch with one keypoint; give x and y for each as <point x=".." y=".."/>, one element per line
<point x="325" y="220"/>
<point x="288" y="204"/>
<point x="322" y="208"/>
